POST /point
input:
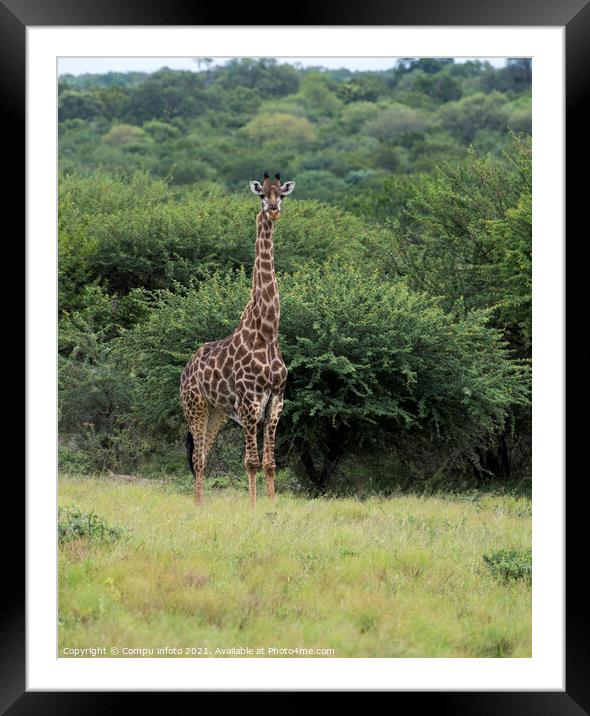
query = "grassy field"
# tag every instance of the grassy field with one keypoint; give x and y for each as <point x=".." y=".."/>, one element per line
<point x="396" y="577"/>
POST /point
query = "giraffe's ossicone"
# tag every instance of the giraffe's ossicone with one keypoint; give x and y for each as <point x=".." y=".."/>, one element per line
<point x="242" y="376"/>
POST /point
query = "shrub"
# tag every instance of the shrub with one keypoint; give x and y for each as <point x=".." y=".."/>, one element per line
<point x="142" y="235"/>
<point x="373" y="364"/>
<point x="91" y="390"/>
<point x="74" y="524"/>
<point x="317" y="95"/>
<point x="465" y="234"/>
<point x="508" y="564"/>
<point x="161" y="131"/>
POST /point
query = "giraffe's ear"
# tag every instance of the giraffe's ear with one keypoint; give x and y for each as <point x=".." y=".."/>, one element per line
<point x="256" y="187"/>
<point x="287" y="188"/>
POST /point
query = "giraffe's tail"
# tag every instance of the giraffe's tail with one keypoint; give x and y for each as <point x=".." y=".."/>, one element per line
<point x="190" y="446"/>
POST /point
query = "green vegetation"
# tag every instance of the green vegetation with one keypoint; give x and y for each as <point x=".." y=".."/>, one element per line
<point x="403" y="262"/>
<point x="510" y="563"/>
<point x="404" y="268"/>
<point x="373" y="366"/>
<point x="74" y="525"/>
<point x="341" y="133"/>
<point x="399" y="577"/>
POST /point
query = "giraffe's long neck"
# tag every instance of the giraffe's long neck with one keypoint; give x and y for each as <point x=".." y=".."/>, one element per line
<point x="263" y="312"/>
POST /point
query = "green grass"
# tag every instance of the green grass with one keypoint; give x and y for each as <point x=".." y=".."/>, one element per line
<point x="398" y="577"/>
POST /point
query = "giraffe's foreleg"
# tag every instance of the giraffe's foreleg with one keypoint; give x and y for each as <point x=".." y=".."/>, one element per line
<point x="268" y="457"/>
<point x="248" y="412"/>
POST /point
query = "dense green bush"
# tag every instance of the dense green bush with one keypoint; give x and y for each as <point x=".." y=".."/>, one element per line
<point x="510" y="564"/>
<point x="91" y="391"/>
<point x="74" y="524"/>
<point x="373" y="364"/>
<point x="142" y="235"/>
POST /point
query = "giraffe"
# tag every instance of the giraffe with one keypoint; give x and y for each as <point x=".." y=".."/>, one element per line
<point x="242" y="376"/>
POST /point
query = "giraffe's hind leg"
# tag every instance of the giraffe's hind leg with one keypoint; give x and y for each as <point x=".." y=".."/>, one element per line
<point x="215" y="421"/>
<point x="197" y="413"/>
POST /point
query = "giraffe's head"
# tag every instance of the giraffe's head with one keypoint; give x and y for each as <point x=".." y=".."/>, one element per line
<point x="271" y="194"/>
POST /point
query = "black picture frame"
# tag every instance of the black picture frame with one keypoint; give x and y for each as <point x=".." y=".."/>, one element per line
<point x="574" y="16"/>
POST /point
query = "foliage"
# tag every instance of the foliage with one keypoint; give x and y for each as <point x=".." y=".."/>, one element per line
<point x="465" y="234"/>
<point x="364" y="89"/>
<point x="90" y="389"/>
<point x="510" y="564"/>
<point x="74" y="524"/>
<point x="94" y="396"/>
<point x="281" y="127"/>
<point x="465" y="116"/>
<point x="369" y="364"/>
<point x="395" y="122"/>
<point x="404" y="264"/>
<point x="229" y="122"/>
<point x="514" y="77"/>
<point x="353" y="117"/>
<point x="143" y="236"/>
<point x="80" y="105"/>
<point x="83" y="202"/>
<point x="373" y="364"/>
<point x="266" y="76"/>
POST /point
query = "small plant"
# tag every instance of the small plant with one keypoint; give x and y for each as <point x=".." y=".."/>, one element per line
<point x="367" y="622"/>
<point x="74" y="524"/>
<point x="510" y="564"/>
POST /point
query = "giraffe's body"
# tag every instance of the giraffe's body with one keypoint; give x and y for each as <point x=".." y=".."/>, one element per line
<point x="242" y="376"/>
